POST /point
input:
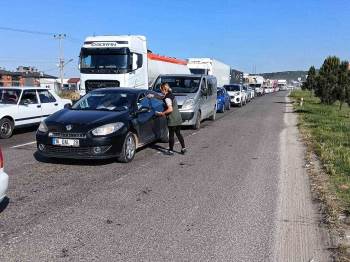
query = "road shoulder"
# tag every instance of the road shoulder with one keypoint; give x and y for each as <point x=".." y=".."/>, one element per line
<point x="298" y="236"/>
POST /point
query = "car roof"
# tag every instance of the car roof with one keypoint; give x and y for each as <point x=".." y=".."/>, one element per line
<point x="123" y="89"/>
<point x="25" y="87"/>
<point x="188" y="75"/>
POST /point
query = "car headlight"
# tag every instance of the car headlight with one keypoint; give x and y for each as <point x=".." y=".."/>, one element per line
<point x="188" y="104"/>
<point x="43" y="127"/>
<point x="107" y="129"/>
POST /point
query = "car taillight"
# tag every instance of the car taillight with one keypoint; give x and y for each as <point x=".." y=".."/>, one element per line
<point x="1" y="159"/>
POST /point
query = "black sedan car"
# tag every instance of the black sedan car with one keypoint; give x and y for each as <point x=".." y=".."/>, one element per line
<point x="105" y="123"/>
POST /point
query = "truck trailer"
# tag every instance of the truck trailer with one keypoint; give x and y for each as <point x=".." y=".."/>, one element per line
<point x="209" y="66"/>
<point x="123" y="61"/>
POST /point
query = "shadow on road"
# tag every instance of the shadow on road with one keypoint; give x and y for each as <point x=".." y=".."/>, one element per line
<point x="4" y="204"/>
<point x="73" y="162"/>
<point x="283" y="102"/>
<point x="23" y="130"/>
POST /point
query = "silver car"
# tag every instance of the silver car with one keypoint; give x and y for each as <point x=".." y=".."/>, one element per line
<point x="195" y="95"/>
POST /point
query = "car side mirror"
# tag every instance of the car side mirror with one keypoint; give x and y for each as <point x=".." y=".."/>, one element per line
<point x="67" y="106"/>
<point x="134" y="61"/>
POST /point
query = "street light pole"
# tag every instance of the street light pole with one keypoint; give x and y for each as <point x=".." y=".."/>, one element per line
<point x="61" y="65"/>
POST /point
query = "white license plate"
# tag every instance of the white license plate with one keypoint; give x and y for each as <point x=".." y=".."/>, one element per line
<point x="65" y="142"/>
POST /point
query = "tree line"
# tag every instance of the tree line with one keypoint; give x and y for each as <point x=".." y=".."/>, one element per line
<point x="331" y="82"/>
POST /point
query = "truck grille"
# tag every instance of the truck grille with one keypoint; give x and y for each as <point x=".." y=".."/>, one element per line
<point x="95" y="84"/>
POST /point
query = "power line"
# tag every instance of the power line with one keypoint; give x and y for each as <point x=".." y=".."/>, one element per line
<point x="25" y="31"/>
<point x="71" y="38"/>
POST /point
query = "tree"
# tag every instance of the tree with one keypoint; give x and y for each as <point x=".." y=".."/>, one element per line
<point x="310" y="83"/>
<point x="327" y="80"/>
<point x="343" y="86"/>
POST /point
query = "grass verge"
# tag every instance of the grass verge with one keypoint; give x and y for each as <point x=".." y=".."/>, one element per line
<point x="328" y="131"/>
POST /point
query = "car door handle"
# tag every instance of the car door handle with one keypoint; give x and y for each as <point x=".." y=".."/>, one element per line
<point x="38" y="106"/>
<point x="56" y="104"/>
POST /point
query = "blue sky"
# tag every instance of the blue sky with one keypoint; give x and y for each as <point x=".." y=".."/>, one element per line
<point x="272" y="35"/>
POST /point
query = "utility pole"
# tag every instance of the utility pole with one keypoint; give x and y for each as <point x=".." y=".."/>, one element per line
<point x="61" y="64"/>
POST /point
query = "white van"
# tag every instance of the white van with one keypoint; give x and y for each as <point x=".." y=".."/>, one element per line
<point x="195" y="95"/>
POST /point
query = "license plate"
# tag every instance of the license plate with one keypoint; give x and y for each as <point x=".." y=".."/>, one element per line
<point x="65" y="142"/>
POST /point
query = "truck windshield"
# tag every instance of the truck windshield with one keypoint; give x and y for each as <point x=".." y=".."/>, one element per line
<point x="232" y="88"/>
<point x="104" y="60"/>
<point x="179" y="84"/>
<point x="9" y="96"/>
<point x="198" y="71"/>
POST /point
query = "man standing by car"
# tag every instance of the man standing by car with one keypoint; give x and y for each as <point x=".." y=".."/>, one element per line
<point x="173" y="116"/>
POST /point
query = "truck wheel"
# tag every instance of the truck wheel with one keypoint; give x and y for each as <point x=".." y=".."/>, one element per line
<point x="197" y="125"/>
<point x="129" y="149"/>
<point x="6" y="128"/>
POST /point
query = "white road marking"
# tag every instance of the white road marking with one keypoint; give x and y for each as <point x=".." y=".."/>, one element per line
<point x="26" y="144"/>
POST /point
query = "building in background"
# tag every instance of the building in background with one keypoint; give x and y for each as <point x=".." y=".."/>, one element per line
<point x="74" y="83"/>
<point x="26" y="76"/>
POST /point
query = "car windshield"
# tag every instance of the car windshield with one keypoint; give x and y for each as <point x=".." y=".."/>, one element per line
<point x="105" y="101"/>
<point x="220" y="92"/>
<point x="232" y="88"/>
<point x="179" y="84"/>
<point x="9" y="96"/>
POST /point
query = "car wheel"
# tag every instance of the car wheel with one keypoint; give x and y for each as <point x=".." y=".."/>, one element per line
<point x="240" y="104"/>
<point x="213" y="116"/>
<point x="6" y="128"/>
<point x="129" y="148"/>
<point x="229" y="106"/>
<point x="197" y="125"/>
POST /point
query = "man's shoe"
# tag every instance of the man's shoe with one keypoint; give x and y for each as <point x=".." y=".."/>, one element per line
<point x="183" y="151"/>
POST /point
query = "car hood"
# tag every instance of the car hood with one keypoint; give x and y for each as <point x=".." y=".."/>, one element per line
<point x="233" y="93"/>
<point x="82" y="121"/>
<point x="181" y="98"/>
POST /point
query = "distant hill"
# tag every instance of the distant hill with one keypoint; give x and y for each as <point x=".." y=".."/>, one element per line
<point x="288" y="75"/>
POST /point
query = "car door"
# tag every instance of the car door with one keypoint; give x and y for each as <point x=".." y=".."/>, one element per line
<point x="29" y="108"/>
<point x="159" y="123"/>
<point x="204" y="98"/>
<point x="49" y="104"/>
<point x="145" y="120"/>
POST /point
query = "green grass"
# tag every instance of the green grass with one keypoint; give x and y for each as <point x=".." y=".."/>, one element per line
<point x="328" y="130"/>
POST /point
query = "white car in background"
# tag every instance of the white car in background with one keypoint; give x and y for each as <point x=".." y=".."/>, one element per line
<point x="237" y="95"/>
<point x="22" y="106"/>
<point x="4" y="179"/>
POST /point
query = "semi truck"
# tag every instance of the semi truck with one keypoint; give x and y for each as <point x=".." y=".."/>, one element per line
<point x="123" y="61"/>
<point x="209" y="66"/>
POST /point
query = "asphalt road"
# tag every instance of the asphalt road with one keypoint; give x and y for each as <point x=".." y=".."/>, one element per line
<point x="216" y="203"/>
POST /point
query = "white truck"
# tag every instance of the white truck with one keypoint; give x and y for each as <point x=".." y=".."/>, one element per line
<point x="256" y="82"/>
<point x="123" y="61"/>
<point x="282" y="84"/>
<point x="209" y="66"/>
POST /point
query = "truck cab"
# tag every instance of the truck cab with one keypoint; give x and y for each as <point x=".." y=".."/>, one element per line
<point x="113" y="61"/>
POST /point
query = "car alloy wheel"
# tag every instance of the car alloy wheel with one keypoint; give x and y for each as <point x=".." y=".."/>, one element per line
<point x="197" y="125"/>
<point x="6" y="128"/>
<point x="130" y="147"/>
